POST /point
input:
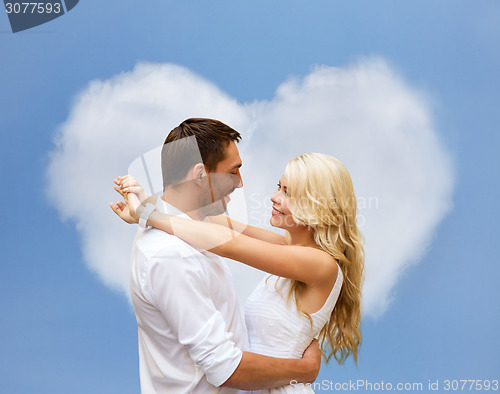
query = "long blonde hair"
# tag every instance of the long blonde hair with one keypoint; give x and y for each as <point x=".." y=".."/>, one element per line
<point x="322" y="197"/>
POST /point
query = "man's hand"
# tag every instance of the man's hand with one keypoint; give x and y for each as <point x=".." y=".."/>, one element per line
<point x="258" y="372"/>
<point x="313" y="356"/>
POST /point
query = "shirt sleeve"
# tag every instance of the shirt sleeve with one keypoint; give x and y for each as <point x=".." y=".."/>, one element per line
<point x="180" y="293"/>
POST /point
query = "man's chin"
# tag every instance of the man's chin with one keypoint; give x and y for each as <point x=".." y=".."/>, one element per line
<point x="217" y="208"/>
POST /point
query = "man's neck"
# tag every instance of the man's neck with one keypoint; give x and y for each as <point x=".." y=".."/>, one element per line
<point x="182" y="202"/>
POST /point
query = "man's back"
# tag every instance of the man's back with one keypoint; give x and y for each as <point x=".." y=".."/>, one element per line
<point x="189" y="324"/>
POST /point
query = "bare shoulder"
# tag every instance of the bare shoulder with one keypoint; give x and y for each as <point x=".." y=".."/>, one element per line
<point x="323" y="264"/>
<point x="328" y="266"/>
<point x="321" y="281"/>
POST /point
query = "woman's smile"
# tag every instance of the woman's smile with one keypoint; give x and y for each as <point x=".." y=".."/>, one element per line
<point x="276" y="212"/>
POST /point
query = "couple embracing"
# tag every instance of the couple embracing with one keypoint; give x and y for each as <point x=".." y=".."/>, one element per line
<point x="192" y="338"/>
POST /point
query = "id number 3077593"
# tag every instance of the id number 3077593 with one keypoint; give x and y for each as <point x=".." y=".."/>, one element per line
<point x="469" y="385"/>
<point x="33" y="8"/>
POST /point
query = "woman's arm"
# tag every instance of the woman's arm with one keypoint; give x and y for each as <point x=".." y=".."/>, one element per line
<point x="249" y="231"/>
<point x="129" y="184"/>
<point x="308" y="265"/>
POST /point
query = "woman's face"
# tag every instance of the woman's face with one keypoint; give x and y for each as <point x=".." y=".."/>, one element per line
<point x="281" y="215"/>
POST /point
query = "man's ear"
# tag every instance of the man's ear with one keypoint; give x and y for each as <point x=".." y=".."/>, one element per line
<point x="198" y="172"/>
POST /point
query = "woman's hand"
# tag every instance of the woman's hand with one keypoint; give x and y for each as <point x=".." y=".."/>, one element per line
<point x="128" y="184"/>
<point x="122" y="210"/>
<point x="133" y="194"/>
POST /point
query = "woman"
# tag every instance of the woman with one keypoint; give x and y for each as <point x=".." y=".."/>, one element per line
<point x="314" y="289"/>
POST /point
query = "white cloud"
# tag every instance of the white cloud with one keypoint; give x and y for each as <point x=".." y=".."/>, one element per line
<point x="364" y="114"/>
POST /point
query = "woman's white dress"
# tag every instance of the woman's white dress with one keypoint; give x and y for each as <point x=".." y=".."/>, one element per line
<point x="276" y="328"/>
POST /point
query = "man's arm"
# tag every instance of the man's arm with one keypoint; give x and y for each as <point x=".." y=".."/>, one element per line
<point x="181" y="295"/>
<point x="257" y="372"/>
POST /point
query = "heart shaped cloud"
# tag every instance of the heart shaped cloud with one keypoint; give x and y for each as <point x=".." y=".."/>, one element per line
<point x="363" y="114"/>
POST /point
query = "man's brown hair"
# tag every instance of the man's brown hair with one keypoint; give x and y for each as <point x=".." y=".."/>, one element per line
<point x="212" y="138"/>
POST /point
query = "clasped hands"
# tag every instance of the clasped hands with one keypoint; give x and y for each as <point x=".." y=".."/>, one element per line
<point x="133" y="195"/>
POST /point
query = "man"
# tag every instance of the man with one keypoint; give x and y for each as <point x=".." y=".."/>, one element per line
<point x="191" y="335"/>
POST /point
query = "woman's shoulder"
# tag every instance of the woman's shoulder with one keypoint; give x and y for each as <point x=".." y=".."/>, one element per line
<point x="326" y="264"/>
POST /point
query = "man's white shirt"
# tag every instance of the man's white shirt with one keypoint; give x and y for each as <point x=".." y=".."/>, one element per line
<point x="190" y="329"/>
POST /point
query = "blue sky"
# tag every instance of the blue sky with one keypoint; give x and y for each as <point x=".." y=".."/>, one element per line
<point x="64" y="331"/>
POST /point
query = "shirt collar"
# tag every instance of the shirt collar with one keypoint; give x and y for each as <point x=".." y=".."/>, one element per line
<point x="164" y="207"/>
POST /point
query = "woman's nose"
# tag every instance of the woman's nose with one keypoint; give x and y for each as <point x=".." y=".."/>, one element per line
<point x="274" y="197"/>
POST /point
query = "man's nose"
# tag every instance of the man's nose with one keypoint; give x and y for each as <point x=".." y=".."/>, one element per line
<point x="239" y="180"/>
